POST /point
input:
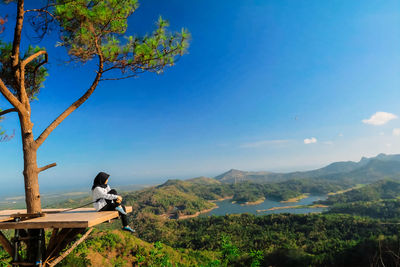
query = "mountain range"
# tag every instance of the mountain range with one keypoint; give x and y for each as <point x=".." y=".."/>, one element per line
<point x="366" y="170"/>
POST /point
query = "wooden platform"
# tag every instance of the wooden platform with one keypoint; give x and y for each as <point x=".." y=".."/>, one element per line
<point x="79" y="218"/>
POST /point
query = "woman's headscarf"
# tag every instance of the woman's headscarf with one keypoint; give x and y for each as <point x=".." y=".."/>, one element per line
<point x="100" y="180"/>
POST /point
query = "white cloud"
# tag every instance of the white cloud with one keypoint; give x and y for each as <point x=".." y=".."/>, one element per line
<point x="381" y="133"/>
<point x="380" y="118"/>
<point x="263" y="143"/>
<point x="311" y="140"/>
<point x="340" y="135"/>
<point x="396" y="132"/>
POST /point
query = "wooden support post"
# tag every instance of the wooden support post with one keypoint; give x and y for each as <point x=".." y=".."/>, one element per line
<point x="61" y="241"/>
<point x="58" y="242"/>
<point x="71" y="237"/>
<point x="68" y="251"/>
<point x="52" y="241"/>
<point x="6" y="244"/>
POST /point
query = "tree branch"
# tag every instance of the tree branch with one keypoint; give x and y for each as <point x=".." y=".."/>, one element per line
<point x="6" y="137"/>
<point x="120" y="78"/>
<point x="11" y="98"/>
<point x="134" y="66"/>
<point x="39" y="141"/>
<point x="40" y="10"/>
<point x="4" y="112"/>
<point x="6" y="244"/>
<point x="47" y="167"/>
<point x="23" y="95"/>
<point x="17" y="33"/>
<point x="32" y="57"/>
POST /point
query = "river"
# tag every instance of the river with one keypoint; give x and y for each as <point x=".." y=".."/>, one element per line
<point x="227" y="207"/>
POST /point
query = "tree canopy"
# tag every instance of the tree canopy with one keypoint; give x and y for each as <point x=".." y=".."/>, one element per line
<point x="91" y="29"/>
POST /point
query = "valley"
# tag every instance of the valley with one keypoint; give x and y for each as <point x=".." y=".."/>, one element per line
<point x="338" y="215"/>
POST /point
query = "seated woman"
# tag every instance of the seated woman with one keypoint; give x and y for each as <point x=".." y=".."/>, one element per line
<point x="107" y="199"/>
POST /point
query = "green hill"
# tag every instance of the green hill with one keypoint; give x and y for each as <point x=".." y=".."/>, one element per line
<point x="384" y="189"/>
<point x="118" y="248"/>
<point x="379" y="200"/>
<point x="176" y="198"/>
<point x="168" y="200"/>
<point x="285" y="239"/>
<point x="388" y="209"/>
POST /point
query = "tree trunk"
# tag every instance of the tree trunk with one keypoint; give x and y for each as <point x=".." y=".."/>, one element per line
<point x="31" y="171"/>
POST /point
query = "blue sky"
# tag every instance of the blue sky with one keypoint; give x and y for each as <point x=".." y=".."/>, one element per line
<point x="261" y="79"/>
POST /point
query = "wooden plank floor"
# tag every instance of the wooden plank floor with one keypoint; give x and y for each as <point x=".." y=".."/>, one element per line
<point x="79" y="218"/>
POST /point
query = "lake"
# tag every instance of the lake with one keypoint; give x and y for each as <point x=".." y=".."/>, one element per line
<point x="227" y="207"/>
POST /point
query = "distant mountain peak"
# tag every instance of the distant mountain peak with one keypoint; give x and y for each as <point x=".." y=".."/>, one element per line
<point x="234" y="171"/>
<point x="170" y="182"/>
<point x="381" y="155"/>
<point x="387" y="164"/>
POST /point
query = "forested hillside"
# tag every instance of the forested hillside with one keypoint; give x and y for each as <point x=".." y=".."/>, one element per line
<point x="177" y="198"/>
<point x="381" y="190"/>
<point x="379" y="200"/>
<point x="360" y="227"/>
<point x="286" y="240"/>
<point x="245" y="240"/>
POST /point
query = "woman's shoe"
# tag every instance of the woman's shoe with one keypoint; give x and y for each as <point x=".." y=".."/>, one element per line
<point x="129" y="229"/>
<point x="120" y="210"/>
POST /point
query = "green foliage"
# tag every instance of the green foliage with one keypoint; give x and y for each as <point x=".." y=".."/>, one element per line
<point x="86" y="24"/>
<point x="374" y="251"/>
<point x="380" y="209"/>
<point x="290" y="257"/>
<point x="4" y="258"/>
<point x="119" y="262"/>
<point x="229" y="251"/>
<point x="384" y="189"/>
<point x="139" y="256"/>
<point x="75" y="260"/>
<point x="109" y="241"/>
<point x="104" y="242"/>
<point x="89" y="29"/>
<point x="35" y="72"/>
<point x="94" y="28"/>
<point x="172" y="199"/>
<point x="248" y="192"/>
<point x="131" y="251"/>
<point x="256" y="257"/>
<point x="315" y="240"/>
<point x="157" y="257"/>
